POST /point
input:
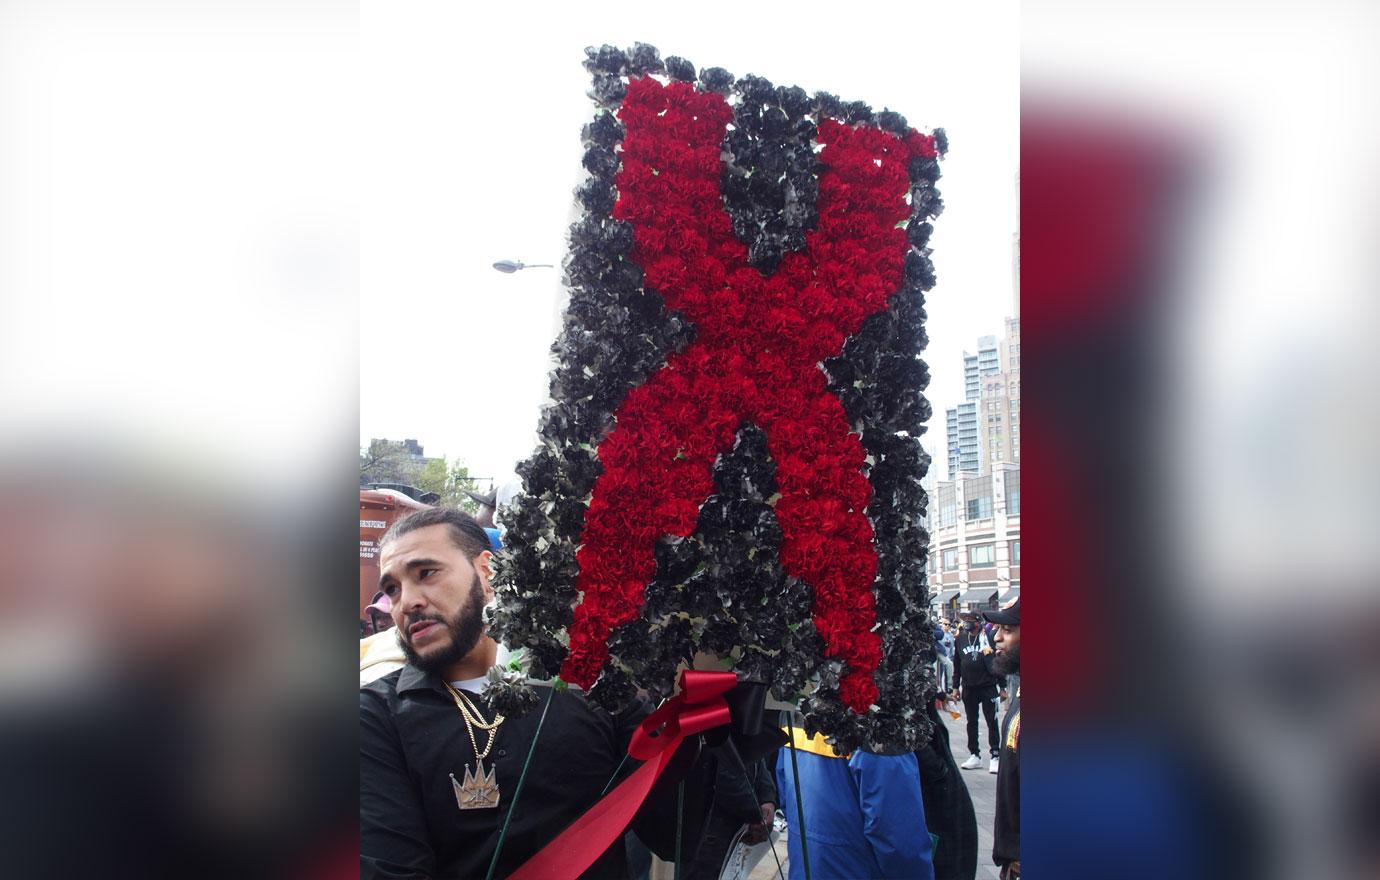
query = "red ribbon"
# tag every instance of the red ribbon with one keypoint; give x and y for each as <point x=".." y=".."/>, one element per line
<point x="699" y="706"/>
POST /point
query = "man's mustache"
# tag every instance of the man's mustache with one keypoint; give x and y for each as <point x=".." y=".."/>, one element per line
<point x="411" y="619"/>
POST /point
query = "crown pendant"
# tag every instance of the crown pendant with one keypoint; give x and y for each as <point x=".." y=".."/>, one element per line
<point x="479" y="791"/>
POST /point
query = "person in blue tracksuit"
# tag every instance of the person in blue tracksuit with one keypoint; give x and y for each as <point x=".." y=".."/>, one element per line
<point x="864" y="816"/>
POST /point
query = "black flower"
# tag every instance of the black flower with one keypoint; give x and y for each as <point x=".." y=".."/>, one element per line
<point x="604" y="131"/>
<point x="605" y="59"/>
<point x="893" y="122"/>
<point x="680" y="69"/>
<point x="608" y="90"/>
<point x="828" y="106"/>
<point x="716" y="79"/>
<point x="941" y="141"/>
<point x="756" y="89"/>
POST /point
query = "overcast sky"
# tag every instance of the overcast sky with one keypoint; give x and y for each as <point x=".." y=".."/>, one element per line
<point x="472" y="149"/>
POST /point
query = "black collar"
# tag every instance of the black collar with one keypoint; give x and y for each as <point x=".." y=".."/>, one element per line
<point x="414" y="679"/>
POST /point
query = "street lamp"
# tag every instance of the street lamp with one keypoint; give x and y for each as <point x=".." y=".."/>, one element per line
<point x="508" y="267"/>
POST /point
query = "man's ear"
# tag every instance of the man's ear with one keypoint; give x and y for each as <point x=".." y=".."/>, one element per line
<point x="483" y="563"/>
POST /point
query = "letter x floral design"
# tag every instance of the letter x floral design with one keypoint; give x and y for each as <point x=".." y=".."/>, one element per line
<point x="760" y="340"/>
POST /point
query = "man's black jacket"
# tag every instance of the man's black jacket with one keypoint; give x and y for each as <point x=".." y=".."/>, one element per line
<point x="972" y="668"/>
<point x="1006" y="831"/>
<point x="412" y="738"/>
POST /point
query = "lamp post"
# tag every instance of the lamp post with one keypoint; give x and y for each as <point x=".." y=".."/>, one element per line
<point x="508" y="267"/>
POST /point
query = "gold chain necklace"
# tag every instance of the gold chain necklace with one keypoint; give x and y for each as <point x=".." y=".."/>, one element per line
<point x="471" y="712"/>
<point x="479" y="791"/>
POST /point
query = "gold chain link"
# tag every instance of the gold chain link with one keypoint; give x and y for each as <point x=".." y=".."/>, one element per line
<point x="474" y="718"/>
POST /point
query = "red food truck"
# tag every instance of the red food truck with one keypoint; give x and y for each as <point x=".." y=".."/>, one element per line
<point x="378" y="507"/>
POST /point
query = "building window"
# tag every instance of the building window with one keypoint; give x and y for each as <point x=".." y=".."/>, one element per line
<point x="982" y="554"/>
<point x="1015" y="552"/>
<point x="948" y="507"/>
<point x="977" y="498"/>
<point x="1013" y="501"/>
<point x="951" y="559"/>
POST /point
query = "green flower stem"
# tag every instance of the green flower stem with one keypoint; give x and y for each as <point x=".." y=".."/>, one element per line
<point x="522" y="777"/>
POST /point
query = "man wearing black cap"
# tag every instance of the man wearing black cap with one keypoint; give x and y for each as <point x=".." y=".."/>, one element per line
<point x="978" y="685"/>
<point x="488" y="506"/>
<point x="1006" y="845"/>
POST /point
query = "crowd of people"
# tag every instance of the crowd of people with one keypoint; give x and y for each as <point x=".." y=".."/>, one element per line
<point x="437" y="762"/>
<point x="968" y="671"/>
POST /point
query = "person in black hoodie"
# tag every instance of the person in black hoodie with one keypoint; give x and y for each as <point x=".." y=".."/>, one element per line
<point x="977" y="685"/>
<point x="1006" y="833"/>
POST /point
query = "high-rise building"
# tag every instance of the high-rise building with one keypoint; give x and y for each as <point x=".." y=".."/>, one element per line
<point x="965" y="452"/>
<point x="985" y="429"/>
<point x="967" y="432"/>
<point x="999" y="404"/>
<point x="963" y="421"/>
<point x="986" y="362"/>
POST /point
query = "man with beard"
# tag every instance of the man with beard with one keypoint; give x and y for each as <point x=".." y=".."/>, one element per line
<point x="1006" y="843"/>
<point x="978" y="686"/>
<point x="438" y="765"/>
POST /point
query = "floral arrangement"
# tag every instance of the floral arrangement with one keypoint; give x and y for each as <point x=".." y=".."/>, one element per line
<point x="731" y="462"/>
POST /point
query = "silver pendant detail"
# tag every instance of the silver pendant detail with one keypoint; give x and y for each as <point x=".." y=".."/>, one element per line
<point x="479" y="791"/>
